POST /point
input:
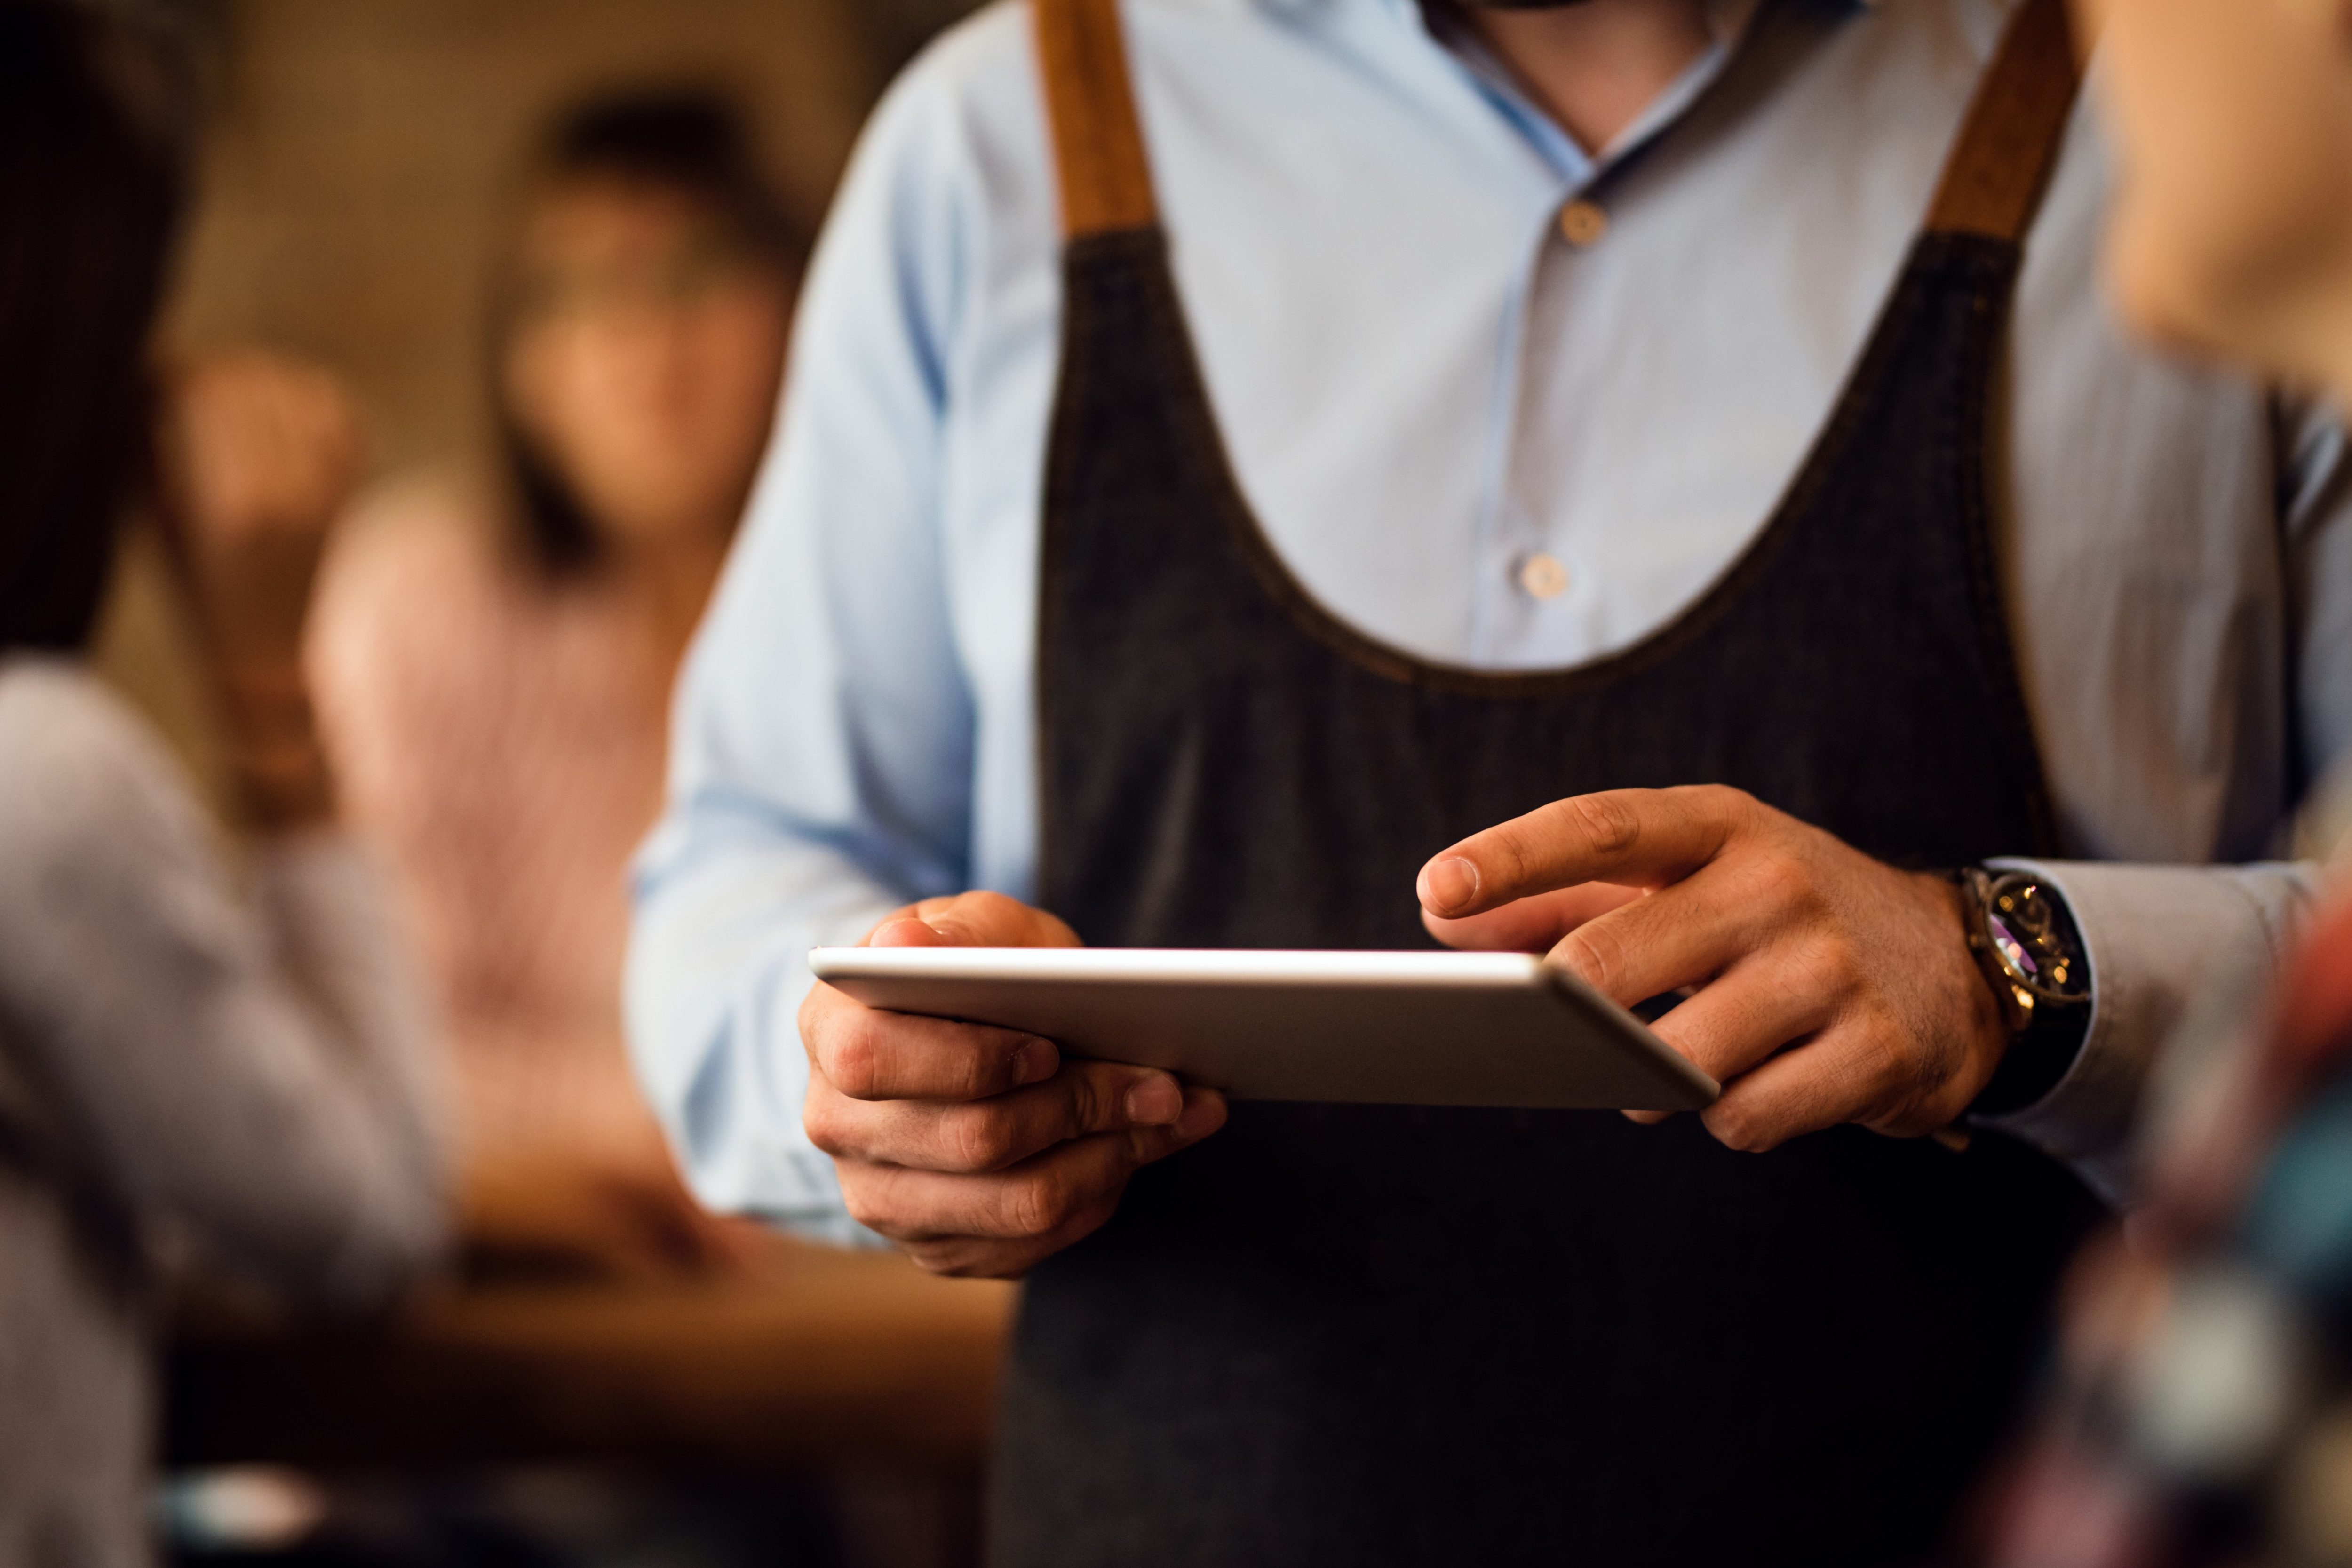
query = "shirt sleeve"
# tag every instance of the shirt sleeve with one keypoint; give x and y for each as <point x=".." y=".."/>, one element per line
<point x="2161" y="936"/>
<point x="822" y="733"/>
<point x="250" y="1067"/>
<point x="2316" y="503"/>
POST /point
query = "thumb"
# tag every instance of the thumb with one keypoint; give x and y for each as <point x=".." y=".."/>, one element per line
<point x="1203" y="1112"/>
<point x="973" y="920"/>
<point x="905" y="929"/>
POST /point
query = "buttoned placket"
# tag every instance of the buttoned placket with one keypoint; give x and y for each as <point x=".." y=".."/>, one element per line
<point x="1530" y="566"/>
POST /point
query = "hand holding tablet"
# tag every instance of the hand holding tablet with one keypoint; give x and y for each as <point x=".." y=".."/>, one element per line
<point x="986" y="1087"/>
<point x="978" y="1149"/>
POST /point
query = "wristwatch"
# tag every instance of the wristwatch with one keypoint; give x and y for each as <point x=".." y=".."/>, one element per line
<point x="2023" y="938"/>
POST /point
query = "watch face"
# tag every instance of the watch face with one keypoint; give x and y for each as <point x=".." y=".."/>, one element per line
<point x="2005" y="938"/>
<point x="2023" y="923"/>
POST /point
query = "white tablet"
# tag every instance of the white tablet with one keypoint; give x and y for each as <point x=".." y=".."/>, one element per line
<point x="1405" y="1028"/>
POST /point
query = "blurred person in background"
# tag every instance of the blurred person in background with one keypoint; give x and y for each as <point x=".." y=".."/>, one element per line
<point x="2202" y="1408"/>
<point x="189" y="1067"/>
<point x="494" y="655"/>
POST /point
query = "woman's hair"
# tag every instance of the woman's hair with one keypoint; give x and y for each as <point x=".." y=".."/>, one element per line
<point x="689" y="142"/>
<point x="92" y="176"/>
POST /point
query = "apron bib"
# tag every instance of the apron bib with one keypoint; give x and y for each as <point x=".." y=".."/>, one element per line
<point x="1368" y="1335"/>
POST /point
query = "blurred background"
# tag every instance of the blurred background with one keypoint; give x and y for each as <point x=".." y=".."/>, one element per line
<point x="360" y="156"/>
<point x="743" y="1400"/>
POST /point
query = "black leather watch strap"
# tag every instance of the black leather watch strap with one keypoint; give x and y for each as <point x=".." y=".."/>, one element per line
<point x="2036" y="1061"/>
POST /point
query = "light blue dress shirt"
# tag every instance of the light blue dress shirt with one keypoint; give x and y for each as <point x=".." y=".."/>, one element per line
<point x="1423" y="385"/>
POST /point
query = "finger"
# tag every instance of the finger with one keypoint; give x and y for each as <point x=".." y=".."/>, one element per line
<point x="981" y="1135"/>
<point x="1684" y="935"/>
<point x="1745" y="1014"/>
<point x="905" y="929"/>
<point x="1001" y="1258"/>
<point x="963" y="1257"/>
<point x="1636" y="837"/>
<point x="1073" y="1185"/>
<point x="1837" y="1078"/>
<point x="869" y="1054"/>
<point x="992" y="920"/>
<point x="988" y="1258"/>
<point x="972" y="920"/>
<point x="1531" y="924"/>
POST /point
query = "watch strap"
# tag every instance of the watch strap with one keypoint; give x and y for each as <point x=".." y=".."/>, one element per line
<point x="2037" y="1061"/>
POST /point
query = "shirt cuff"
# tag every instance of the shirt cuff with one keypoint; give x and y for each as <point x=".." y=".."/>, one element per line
<point x="2157" y="938"/>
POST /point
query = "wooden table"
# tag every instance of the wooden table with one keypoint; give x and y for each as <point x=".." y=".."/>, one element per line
<point x="829" y="1359"/>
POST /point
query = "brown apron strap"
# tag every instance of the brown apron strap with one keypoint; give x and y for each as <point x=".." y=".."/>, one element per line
<point x="1097" y="141"/>
<point x="2000" y="164"/>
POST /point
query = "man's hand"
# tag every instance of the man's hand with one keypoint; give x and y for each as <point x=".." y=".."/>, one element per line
<point x="978" y="1150"/>
<point x="1828" y="987"/>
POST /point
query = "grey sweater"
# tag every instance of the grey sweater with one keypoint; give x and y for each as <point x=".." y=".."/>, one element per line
<point x="243" y="1072"/>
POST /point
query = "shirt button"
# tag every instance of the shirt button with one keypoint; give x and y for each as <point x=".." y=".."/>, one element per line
<point x="1582" y="224"/>
<point x="1543" y="576"/>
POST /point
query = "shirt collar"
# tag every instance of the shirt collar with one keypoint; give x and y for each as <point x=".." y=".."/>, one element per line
<point x="1731" y="21"/>
<point x="1728" y="18"/>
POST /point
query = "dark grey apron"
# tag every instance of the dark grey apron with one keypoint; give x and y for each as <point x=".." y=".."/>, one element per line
<point x="1385" y="1335"/>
